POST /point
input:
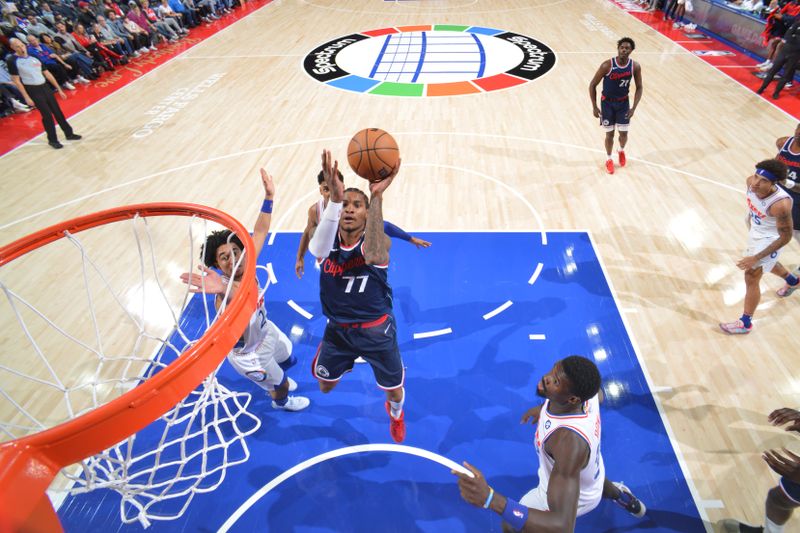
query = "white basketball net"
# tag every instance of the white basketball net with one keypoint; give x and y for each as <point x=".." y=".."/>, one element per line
<point x="137" y="333"/>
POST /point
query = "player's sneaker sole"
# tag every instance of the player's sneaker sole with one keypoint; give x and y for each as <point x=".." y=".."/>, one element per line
<point x="735" y="328"/>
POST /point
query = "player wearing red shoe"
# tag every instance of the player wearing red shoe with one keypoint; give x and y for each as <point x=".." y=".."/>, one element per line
<point x="615" y="111"/>
<point x="354" y="288"/>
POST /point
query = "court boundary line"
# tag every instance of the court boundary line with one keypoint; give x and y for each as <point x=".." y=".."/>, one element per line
<point x="664" y="420"/>
<point x="265" y="149"/>
<point x="333" y="454"/>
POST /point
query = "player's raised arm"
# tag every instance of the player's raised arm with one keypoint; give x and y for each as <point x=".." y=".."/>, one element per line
<point x="376" y="243"/>
<point x="325" y="233"/>
<point x="261" y="228"/>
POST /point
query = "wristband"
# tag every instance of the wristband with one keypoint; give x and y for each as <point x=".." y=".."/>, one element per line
<point x="266" y="207"/>
<point x="489" y="498"/>
<point x="515" y="514"/>
<point x="789" y="183"/>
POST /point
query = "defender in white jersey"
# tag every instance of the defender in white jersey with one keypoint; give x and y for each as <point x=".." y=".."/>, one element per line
<point x="572" y="478"/>
<point x="263" y="352"/>
<point x="770" y="221"/>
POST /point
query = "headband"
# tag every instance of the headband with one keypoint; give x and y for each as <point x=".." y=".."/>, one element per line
<point x="767" y="174"/>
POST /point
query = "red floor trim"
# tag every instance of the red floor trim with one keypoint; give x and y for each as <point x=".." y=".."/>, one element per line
<point x="19" y="128"/>
<point x="738" y="66"/>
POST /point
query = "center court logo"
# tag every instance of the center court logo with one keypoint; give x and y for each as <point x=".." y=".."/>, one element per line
<point x="429" y="60"/>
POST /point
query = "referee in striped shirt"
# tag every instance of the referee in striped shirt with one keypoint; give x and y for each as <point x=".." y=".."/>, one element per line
<point x="31" y="79"/>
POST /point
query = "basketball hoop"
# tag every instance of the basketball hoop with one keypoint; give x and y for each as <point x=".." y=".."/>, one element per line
<point x="29" y="464"/>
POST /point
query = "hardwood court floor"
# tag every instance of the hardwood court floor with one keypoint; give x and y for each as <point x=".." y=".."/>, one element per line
<point x="668" y="226"/>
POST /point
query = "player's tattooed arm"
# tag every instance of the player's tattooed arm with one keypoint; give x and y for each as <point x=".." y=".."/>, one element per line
<point x="782" y="211"/>
<point x="376" y="243"/>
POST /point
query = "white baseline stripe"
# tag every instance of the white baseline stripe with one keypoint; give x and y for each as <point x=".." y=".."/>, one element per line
<point x="435" y="333"/>
<point x="299" y="309"/>
<point x="537" y="337"/>
<point x="536" y="273"/>
<point x="263" y="491"/>
<point x="497" y="311"/>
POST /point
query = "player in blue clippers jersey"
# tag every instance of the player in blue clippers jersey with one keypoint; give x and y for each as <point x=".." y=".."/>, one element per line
<point x="789" y="154"/>
<point x="615" y="110"/>
<point x="355" y="292"/>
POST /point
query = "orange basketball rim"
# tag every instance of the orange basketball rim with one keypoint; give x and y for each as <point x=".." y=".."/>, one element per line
<point x="29" y="464"/>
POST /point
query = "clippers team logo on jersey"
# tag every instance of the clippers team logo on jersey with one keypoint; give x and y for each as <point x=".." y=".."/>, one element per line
<point x="429" y="60"/>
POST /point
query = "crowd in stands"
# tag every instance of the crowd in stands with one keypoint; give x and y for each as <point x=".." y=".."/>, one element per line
<point x="77" y="41"/>
<point x="675" y="9"/>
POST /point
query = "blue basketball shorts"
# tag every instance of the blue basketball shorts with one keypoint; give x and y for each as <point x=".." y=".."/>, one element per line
<point x="614" y="114"/>
<point x="377" y="344"/>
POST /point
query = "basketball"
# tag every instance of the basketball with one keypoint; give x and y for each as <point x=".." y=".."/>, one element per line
<point x="372" y="154"/>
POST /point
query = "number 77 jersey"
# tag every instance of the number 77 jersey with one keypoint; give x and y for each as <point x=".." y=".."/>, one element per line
<point x="350" y="289"/>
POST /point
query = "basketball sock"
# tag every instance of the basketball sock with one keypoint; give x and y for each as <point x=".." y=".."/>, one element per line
<point x="397" y="407"/>
<point x="282" y="401"/>
<point x="747" y="320"/>
<point x="772" y="527"/>
<point x="287" y="363"/>
<point x="792" y="280"/>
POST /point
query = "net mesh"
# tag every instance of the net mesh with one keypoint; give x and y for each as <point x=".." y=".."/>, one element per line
<point x="91" y="337"/>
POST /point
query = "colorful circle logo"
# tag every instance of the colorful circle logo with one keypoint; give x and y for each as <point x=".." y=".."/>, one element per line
<point x="433" y="60"/>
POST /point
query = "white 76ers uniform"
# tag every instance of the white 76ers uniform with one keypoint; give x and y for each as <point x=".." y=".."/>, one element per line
<point x="587" y="426"/>
<point x="763" y="228"/>
<point x="259" y="350"/>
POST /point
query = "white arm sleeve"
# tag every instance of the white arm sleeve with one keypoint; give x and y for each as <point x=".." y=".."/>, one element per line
<point x="322" y="241"/>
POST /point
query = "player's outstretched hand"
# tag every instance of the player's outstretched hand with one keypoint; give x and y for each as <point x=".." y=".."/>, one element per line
<point x="269" y="185"/>
<point x="299" y="267"/>
<point x="376" y="188"/>
<point x="474" y="488"/>
<point x="787" y="465"/>
<point x="419" y="243"/>
<point x="330" y="172"/>
<point x="531" y="415"/>
<point x="786" y="415"/>
<point x="209" y="281"/>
